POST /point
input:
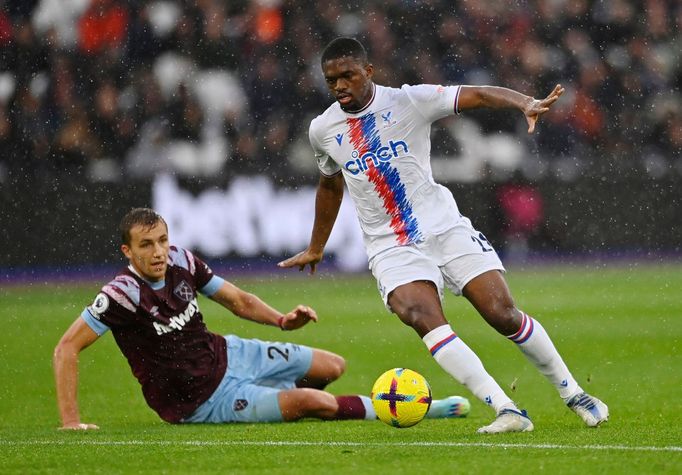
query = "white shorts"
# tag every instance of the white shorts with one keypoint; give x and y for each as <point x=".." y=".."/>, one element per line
<point x="450" y="259"/>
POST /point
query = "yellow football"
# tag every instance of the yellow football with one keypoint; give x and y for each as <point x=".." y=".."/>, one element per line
<point x="401" y="397"/>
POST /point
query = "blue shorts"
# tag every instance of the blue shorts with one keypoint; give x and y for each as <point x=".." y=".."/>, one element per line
<point x="256" y="372"/>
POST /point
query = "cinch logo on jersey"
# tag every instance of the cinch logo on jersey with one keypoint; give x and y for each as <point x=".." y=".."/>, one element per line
<point x="373" y="159"/>
<point x="383" y="154"/>
<point x="178" y="322"/>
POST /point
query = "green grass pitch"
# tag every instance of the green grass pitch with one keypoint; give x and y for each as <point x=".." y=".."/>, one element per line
<point x="619" y="328"/>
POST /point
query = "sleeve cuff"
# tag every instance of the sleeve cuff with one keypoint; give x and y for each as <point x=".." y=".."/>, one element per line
<point x="459" y="88"/>
<point x="212" y="287"/>
<point x="96" y="325"/>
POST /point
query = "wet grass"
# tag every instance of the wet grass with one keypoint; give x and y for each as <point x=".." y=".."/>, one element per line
<point x="618" y="328"/>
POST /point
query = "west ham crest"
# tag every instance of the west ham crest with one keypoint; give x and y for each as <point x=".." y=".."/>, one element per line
<point x="184" y="292"/>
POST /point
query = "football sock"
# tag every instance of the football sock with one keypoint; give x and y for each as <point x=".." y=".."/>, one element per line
<point x="534" y="342"/>
<point x="460" y="362"/>
<point x="369" y="408"/>
<point x="355" y="407"/>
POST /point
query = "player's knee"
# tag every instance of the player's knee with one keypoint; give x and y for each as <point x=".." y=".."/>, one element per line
<point x="331" y="365"/>
<point x="422" y="318"/>
<point x="325" y="368"/>
<point x="337" y="366"/>
<point x="412" y="312"/>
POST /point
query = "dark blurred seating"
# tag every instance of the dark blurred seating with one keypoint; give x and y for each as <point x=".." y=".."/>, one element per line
<point x="114" y="89"/>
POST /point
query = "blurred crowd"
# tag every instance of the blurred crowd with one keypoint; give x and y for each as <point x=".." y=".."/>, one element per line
<point x="114" y="89"/>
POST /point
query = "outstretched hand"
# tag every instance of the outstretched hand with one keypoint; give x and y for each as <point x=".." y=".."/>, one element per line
<point x="537" y="107"/>
<point x="78" y="426"/>
<point x="298" y="317"/>
<point x="301" y="260"/>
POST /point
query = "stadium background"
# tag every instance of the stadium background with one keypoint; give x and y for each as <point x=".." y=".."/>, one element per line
<point x="109" y="104"/>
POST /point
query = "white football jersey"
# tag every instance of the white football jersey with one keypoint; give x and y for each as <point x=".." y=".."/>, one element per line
<point x="384" y="153"/>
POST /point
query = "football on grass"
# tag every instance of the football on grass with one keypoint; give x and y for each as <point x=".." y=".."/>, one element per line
<point x="401" y="397"/>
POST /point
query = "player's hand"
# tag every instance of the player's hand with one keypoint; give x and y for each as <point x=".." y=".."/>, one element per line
<point x="303" y="259"/>
<point x="78" y="426"/>
<point x="535" y="108"/>
<point x="298" y="317"/>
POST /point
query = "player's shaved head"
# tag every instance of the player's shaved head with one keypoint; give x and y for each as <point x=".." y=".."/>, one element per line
<point x="344" y="47"/>
<point x="145" y="217"/>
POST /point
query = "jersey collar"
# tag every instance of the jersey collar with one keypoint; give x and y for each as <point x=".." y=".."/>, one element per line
<point x="154" y="285"/>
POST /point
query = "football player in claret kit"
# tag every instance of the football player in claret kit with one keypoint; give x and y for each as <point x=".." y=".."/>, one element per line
<point x="376" y="140"/>
<point x="187" y="373"/>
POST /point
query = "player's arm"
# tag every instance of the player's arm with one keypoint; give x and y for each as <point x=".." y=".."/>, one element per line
<point x="250" y="307"/>
<point x="65" y="363"/>
<point x="327" y="204"/>
<point x="472" y="97"/>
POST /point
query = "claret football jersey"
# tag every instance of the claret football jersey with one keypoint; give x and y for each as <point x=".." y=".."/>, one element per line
<point x="384" y="154"/>
<point x="160" y="330"/>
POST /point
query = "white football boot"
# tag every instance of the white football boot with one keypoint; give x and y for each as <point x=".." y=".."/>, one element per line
<point x="589" y="408"/>
<point x="508" y="420"/>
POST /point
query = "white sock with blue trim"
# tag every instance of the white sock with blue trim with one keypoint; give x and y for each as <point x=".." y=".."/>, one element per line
<point x="460" y="362"/>
<point x="534" y="342"/>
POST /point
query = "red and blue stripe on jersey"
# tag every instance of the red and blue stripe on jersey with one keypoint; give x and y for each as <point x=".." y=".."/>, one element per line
<point x="364" y="136"/>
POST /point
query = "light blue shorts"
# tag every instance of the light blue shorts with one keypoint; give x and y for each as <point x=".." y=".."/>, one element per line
<point x="256" y="372"/>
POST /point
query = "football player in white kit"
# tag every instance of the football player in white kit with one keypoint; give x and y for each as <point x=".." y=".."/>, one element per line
<point x="376" y="140"/>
